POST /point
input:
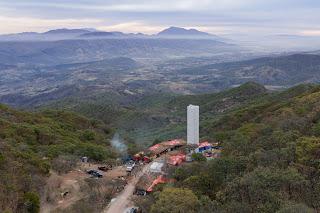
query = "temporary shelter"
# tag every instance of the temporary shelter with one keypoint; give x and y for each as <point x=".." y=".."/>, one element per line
<point x="156" y="167"/>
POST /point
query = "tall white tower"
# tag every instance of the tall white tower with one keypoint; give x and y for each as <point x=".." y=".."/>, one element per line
<point x="193" y="124"/>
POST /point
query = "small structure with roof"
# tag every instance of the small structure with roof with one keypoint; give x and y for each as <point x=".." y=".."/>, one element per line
<point x="177" y="159"/>
<point x="203" y="147"/>
<point x="166" y="146"/>
<point x="156" y="167"/>
<point x="147" y="183"/>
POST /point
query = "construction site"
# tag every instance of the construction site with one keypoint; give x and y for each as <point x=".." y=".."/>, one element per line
<point x="137" y="175"/>
<point x="156" y="162"/>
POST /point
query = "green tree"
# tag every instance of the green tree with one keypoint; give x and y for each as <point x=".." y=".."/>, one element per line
<point x="264" y="189"/>
<point x="307" y="151"/>
<point x="32" y="202"/>
<point x="207" y="205"/>
<point x="175" y="200"/>
<point x="198" y="157"/>
<point x="296" y="208"/>
<point x="200" y="184"/>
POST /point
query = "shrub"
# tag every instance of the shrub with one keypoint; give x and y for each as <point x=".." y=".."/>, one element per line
<point x="296" y="208"/>
<point x="88" y="135"/>
<point x="32" y="202"/>
<point x="176" y="200"/>
<point x="198" y="157"/>
<point x="64" y="163"/>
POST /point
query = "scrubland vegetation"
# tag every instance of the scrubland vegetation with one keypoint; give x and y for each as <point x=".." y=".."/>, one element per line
<point x="270" y="160"/>
<point x="32" y="144"/>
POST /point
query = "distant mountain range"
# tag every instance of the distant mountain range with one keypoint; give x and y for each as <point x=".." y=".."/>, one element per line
<point x="177" y="32"/>
<point x="73" y="46"/>
<point x="63" y="46"/>
<point x="64" y="33"/>
<point x="68" y="31"/>
<point x="73" y="62"/>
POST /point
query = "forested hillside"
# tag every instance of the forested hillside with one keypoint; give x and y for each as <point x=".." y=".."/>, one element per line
<point x="32" y="144"/>
<point x="270" y="160"/>
<point x="158" y="115"/>
<point x="270" y="141"/>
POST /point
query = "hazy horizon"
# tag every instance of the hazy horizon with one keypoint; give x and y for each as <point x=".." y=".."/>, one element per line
<point x="221" y="17"/>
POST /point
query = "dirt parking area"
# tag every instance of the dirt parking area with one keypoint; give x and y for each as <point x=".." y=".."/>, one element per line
<point x="64" y="190"/>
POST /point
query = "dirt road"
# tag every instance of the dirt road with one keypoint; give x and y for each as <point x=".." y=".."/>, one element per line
<point x="123" y="201"/>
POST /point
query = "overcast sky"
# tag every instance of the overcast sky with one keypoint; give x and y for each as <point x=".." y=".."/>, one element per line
<point x="222" y="17"/>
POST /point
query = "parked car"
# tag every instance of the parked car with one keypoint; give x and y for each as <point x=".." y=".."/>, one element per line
<point x="130" y="166"/>
<point x="94" y="173"/>
<point x="140" y="192"/>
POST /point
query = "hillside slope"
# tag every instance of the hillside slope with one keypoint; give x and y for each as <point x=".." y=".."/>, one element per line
<point x="158" y="115"/>
<point x="29" y="144"/>
<point x="285" y="70"/>
<point x="270" y="158"/>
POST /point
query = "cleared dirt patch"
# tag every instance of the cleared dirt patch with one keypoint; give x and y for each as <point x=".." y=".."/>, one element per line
<point x="63" y="193"/>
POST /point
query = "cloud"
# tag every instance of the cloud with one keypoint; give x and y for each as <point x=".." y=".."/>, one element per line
<point x="311" y="32"/>
<point x="156" y="5"/>
<point x="137" y="5"/>
<point x="166" y="6"/>
<point x="150" y="16"/>
<point x="132" y="27"/>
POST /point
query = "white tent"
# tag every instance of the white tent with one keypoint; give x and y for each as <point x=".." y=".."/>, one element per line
<point x="156" y="167"/>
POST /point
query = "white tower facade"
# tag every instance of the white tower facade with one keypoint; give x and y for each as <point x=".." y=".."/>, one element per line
<point x="193" y="124"/>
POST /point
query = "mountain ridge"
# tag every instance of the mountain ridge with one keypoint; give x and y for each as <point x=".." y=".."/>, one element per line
<point x="92" y="33"/>
<point x="182" y="32"/>
<point x="67" y="31"/>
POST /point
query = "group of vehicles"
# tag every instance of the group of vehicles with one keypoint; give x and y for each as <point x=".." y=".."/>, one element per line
<point x="97" y="174"/>
<point x="130" y="165"/>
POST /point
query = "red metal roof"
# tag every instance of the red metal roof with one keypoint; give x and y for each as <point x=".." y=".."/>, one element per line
<point x="204" y="144"/>
<point x="175" y="142"/>
<point x="160" y="147"/>
<point x="160" y="179"/>
<point x="176" y="159"/>
<point x="155" y="147"/>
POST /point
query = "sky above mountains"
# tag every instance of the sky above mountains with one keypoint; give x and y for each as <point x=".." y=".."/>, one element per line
<point x="222" y="17"/>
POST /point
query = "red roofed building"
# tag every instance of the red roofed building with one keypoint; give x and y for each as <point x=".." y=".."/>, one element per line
<point x="176" y="159"/>
<point x="166" y="146"/>
<point x="205" y="144"/>
<point x="176" y="142"/>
